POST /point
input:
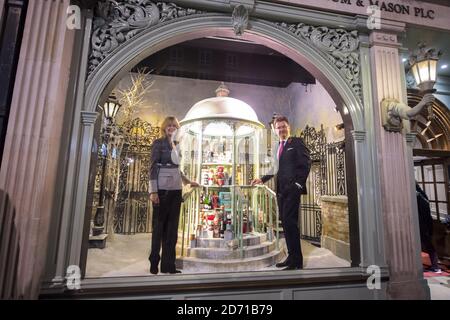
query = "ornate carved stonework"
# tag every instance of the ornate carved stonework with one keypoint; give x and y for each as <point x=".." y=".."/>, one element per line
<point x="115" y="22"/>
<point x="239" y="20"/>
<point x="393" y="111"/>
<point x="340" y="47"/>
<point x="409" y="78"/>
<point x="410" y="82"/>
<point x="392" y="121"/>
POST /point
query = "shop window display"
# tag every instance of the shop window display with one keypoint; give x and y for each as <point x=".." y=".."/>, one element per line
<point x="226" y="218"/>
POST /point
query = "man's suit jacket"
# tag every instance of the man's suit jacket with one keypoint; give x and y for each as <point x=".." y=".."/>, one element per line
<point x="293" y="167"/>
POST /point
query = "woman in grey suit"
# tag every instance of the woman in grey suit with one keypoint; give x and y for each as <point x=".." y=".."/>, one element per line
<point x="166" y="181"/>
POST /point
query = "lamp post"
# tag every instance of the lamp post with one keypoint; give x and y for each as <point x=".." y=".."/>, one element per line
<point x="423" y="66"/>
<point x="423" y="62"/>
<point x="110" y="109"/>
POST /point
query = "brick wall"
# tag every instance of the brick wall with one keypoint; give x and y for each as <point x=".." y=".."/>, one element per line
<point x="335" y="228"/>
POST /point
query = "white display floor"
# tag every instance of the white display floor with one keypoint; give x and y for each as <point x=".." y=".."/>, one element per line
<point x="127" y="255"/>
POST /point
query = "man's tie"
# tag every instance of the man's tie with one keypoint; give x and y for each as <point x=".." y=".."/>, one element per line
<point x="280" y="149"/>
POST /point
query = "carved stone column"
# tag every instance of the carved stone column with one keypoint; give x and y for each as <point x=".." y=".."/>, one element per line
<point x="402" y="253"/>
<point x="63" y="240"/>
<point x="372" y="250"/>
<point x="87" y="129"/>
<point x="371" y="216"/>
<point x="33" y="139"/>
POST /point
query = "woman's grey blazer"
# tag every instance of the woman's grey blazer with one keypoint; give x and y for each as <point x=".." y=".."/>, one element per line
<point x="165" y="173"/>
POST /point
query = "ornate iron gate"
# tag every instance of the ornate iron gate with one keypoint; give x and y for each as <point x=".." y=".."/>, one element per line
<point x="327" y="177"/>
<point x="133" y="209"/>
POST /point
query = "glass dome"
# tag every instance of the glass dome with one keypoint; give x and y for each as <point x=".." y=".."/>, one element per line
<point x="225" y="108"/>
<point x="221" y="134"/>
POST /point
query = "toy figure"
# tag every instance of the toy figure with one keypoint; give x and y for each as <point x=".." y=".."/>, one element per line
<point x="215" y="201"/>
<point x="212" y="177"/>
<point x="220" y="176"/>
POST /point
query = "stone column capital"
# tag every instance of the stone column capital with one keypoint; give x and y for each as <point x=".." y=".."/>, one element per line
<point x="364" y="40"/>
<point x="384" y="39"/>
<point x="359" y="136"/>
<point x="88" y="117"/>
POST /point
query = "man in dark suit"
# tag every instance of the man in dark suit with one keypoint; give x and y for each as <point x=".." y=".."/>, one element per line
<point x="294" y="164"/>
<point x="426" y="228"/>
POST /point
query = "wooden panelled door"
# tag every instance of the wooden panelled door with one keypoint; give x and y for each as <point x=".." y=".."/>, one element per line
<point x="433" y="178"/>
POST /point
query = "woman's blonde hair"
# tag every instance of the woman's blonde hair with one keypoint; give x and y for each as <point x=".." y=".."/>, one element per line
<point x="167" y="121"/>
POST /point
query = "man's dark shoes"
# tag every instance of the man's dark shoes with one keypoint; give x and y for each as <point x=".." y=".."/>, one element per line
<point x="283" y="264"/>
<point x="153" y="270"/>
<point x="171" y="271"/>
<point x="293" y="268"/>
<point x="175" y="271"/>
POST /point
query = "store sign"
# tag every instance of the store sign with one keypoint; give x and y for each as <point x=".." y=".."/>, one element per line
<point x="408" y="11"/>
<point x="388" y="6"/>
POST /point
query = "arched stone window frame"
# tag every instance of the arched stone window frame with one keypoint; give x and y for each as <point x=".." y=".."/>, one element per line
<point x="265" y="26"/>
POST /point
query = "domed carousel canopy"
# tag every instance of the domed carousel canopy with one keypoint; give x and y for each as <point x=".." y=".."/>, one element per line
<point x="222" y="107"/>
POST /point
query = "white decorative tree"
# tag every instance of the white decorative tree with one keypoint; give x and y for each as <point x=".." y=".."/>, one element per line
<point x="133" y="97"/>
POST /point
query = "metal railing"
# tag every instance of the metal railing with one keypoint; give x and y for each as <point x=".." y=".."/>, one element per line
<point x="335" y="169"/>
<point x="188" y="223"/>
<point x="254" y="209"/>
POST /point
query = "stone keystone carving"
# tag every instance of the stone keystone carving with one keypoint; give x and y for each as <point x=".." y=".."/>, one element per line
<point x="239" y="19"/>
<point x="340" y="46"/>
<point x="115" y="22"/>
